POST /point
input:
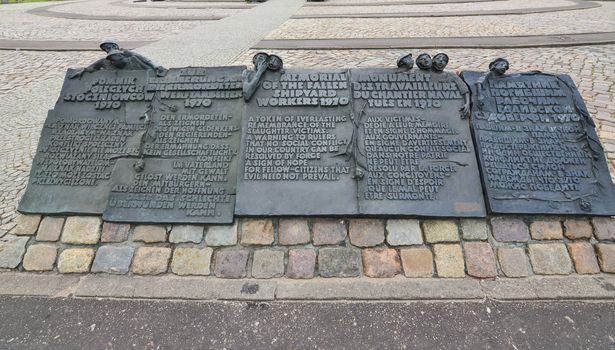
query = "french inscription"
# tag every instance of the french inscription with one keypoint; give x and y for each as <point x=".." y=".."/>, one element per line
<point x="297" y="137"/>
<point x="415" y="148"/>
<point x="538" y="149"/>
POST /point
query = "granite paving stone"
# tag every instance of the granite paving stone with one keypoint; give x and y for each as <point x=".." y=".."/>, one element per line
<point x="221" y="235"/>
<point x="151" y="260"/>
<point x="75" y="260"/>
<point x="366" y="232"/>
<point x="480" y="260"/>
<point x="577" y="228"/>
<point x="113" y="259"/>
<point x="257" y="232"/>
<point x="40" y="257"/>
<point x="449" y="260"/>
<point x="268" y="263"/>
<point x="301" y="263"/>
<point x="12" y="249"/>
<point x="50" y="229"/>
<point x="584" y="257"/>
<point x="546" y="229"/>
<point x="606" y="257"/>
<point x="328" y="231"/>
<point x="191" y="261"/>
<point x="81" y="230"/>
<point x="439" y="231"/>
<point x="339" y="262"/>
<point x="475" y="229"/>
<point x="114" y="233"/>
<point x="417" y="262"/>
<point x="381" y="262"/>
<point x="604" y="228"/>
<point x="402" y="232"/>
<point x="26" y="225"/>
<point x="231" y="263"/>
<point x="293" y="232"/>
<point x="507" y="229"/>
<point x="186" y="234"/>
<point x="550" y="259"/>
<point x="153" y="234"/>
<point x="513" y="262"/>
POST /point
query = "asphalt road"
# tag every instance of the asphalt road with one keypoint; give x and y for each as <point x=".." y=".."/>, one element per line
<point x="55" y="323"/>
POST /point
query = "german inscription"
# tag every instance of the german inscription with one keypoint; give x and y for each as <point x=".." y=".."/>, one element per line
<point x="186" y="168"/>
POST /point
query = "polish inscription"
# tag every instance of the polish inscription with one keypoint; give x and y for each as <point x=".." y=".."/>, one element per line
<point x="415" y="148"/>
<point x="188" y="155"/>
<point x="537" y="145"/>
<point x="90" y="128"/>
<point x="297" y="146"/>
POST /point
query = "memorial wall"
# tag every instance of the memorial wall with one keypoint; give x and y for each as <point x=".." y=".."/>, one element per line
<point x="202" y="144"/>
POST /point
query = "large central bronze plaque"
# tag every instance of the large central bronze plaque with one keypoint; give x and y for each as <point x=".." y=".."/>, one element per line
<point x="297" y="134"/>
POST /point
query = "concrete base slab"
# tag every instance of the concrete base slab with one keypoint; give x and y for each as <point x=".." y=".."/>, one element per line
<point x="59" y="45"/>
<point x="483" y="42"/>
<point x="372" y="289"/>
<point x="171" y="287"/>
<point x="597" y="287"/>
<point x="36" y="285"/>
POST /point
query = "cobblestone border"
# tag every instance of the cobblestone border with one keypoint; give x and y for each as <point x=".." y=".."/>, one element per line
<point x="578" y="5"/>
<point x="300" y="248"/>
<point x="482" y="42"/>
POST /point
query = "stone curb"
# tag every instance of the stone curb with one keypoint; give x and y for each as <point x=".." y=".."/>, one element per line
<point x="44" y="11"/>
<point x="599" y="287"/>
<point x="232" y="6"/>
<point x="578" y="5"/>
<point x="59" y="45"/>
<point x="393" y="3"/>
<point x="483" y="42"/>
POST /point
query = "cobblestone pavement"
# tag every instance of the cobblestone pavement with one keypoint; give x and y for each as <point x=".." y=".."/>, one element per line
<point x="29" y="85"/>
<point x="16" y="24"/>
<point x="601" y="19"/>
<point x="487" y="6"/>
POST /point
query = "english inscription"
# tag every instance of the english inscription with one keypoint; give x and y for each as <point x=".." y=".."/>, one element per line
<point x="297" y="136"/>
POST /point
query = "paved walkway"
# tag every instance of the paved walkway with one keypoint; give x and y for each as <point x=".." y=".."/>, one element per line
<point x="144" y="324"/>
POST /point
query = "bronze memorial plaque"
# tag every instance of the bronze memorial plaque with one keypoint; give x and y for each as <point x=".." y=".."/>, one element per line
<point x="414" y="148"/>
<point x="141" y="146"/>
<point x="92" y="125"/>
<point x="297" y="136"/>
<point x="185" y="171"/>
<point x="537" y="146"/>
